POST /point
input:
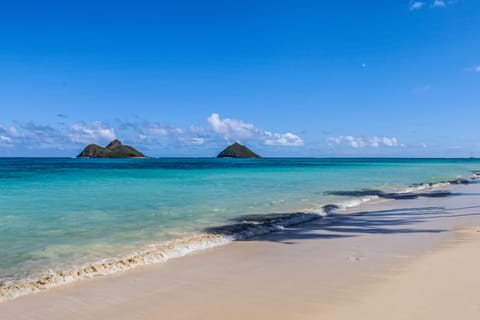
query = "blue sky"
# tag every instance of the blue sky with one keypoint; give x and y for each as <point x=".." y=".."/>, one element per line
<point x="288" y="78"/>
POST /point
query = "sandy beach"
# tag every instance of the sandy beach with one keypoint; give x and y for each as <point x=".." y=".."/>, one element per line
<point x="439" y="285"/>
<point x="396" y="259"/>
<point x="239" y="160"/>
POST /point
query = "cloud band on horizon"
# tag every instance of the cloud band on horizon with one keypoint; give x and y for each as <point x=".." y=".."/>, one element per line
<point x="217" y="130"/>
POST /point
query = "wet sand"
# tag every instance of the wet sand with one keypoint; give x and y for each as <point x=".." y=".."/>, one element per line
<point x="377" y="261"/>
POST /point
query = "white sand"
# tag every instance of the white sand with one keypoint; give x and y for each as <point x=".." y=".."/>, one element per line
<point x="403" y="260"/>
<point x="439" y="285"/>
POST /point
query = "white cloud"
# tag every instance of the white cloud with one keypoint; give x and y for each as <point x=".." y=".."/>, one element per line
<point x="282" y="139"/>
<point x="146" y="133"/>
<point x="197" y="140"/>
<point x="31" y="135"/>
<point x="375" y="142"/>
<point x="354" y="142"/>
<point x="218" y="128"/>
<point x="94" y="132"/>
<point x="390" y="142"/>
<point x="40" y="136"/>
<point x="9" y="131"/>
<point x="158" y="131"/>
<point x="154" y="133"/>
<point x="231" y="128"/>
<point x="155" y="130"/>
<point x="6" y="142"/>
<point x="234" y="129"/>
<point x="361" y="142"/>
<point x="5" y="139"/>
<point x="438" y="4"/>
<point x="416" y="5"/>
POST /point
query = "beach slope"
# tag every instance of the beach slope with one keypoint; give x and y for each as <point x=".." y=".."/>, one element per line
<point x="397" y="259"/>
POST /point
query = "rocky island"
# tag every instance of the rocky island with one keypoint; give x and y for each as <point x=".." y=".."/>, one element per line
<point x="114" y="149"/>
<point x="237" y="150"/>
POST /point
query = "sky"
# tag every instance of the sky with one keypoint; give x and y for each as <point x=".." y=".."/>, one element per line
<point x="298" y="78"/>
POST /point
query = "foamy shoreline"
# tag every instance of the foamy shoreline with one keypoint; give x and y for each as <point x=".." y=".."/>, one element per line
<point x="162" y="252"/>
<point x="312" y="264"/>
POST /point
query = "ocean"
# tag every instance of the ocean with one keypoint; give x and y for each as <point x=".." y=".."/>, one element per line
<point x="65" y="219"/>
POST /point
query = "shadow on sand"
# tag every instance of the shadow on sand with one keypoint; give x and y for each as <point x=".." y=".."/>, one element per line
<point x="335" y="225"/>
<point x="393" y="195"/>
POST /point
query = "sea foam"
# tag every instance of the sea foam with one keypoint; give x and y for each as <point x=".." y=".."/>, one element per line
<point x="243" y="227"/>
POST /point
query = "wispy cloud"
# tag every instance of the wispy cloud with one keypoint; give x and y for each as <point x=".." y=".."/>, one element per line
<point x="281" y="139"/>
<point x="30" y="134"/>
<point x="8" y="131"/>
<point x="475" y="69"/>
<point x="215" y="131"/>
<point x="438" y="4"/>
<point x="354" y="142"/>
<point x="156" y="133"/>
<point x="385" y="141"/>
<point x="5" y="141"/>
<point x="422" y="89"/>
<point x="94" y="132"/>
<point x="39" y="136"/>
<point x="361" y="142"/>
<point x="416" y="5"/>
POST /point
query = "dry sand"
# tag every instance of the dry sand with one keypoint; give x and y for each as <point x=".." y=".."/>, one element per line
<point x="440" y="285"/>
<point x="404" y="259"/>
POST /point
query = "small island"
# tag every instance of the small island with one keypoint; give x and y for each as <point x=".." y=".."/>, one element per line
<point x="237" y="150"/>
<point x="115" y="149"/>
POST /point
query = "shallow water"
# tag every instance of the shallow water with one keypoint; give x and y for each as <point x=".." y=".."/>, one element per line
<point x="58" y="213"/>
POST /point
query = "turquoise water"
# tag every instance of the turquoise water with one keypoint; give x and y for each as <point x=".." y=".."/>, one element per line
<point x="57" y="213"/>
